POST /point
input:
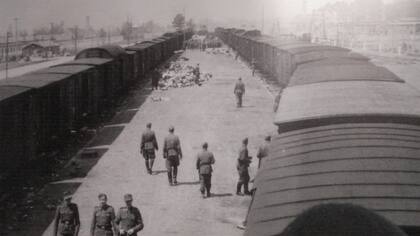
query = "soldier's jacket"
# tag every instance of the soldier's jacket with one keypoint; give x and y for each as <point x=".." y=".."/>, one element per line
<point x="67" y="218"/>
<point x="148" y="140"/>
<point x="129" y="218"/>
<point x="172" y="146"/>
<point x="263" y="151"/>
<point x="204" y="161"/>
<point x="243" y="160"/>
<point x="103" y="217"/>
<point x="239" y="88"/>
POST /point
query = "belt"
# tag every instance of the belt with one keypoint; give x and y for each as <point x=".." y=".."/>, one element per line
<point x="67" y="222"/>
<point x="104" y="227"/>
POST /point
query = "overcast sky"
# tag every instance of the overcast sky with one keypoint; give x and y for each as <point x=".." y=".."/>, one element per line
<point x="105" y="13"/>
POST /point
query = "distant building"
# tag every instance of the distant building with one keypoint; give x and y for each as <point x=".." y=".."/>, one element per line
<point x="14" y="50"/>
<point x="40" y="49"/>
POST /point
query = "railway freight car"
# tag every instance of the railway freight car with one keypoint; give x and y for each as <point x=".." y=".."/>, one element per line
<point x="16" y="141"/>
<point x="346" y="137"/>
<point x="85" y="87"/>
<point x="122" y="75"/>
<point x="375" y="165"/>
<point x="107" y="86"/>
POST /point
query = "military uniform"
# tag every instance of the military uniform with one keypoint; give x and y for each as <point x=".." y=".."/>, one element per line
<point x="204" y="161"/>
<point x="242" y="166"/>
<point x="172" y="153"/>
<point x="129" y="218"/>
<point x="239" y="92"/>
<point x="103" y="221"/>
<point x="67" y="220"/>
<point x="155" y="79"/>
<point x="147" y="148"/>
<point x="196" y="73"/>
<point x="262" y="153"/>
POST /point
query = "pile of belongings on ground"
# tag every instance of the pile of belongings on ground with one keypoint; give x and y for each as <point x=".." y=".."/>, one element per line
<point x="179" y="75"/>
<point x="224" y="51"/>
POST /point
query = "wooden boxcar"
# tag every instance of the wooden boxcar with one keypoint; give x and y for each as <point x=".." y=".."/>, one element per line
<point x="17" y="143"/>
<point x="372" y="165"/>
<point x="119" y="57"/>
<point x="107" y="85"/>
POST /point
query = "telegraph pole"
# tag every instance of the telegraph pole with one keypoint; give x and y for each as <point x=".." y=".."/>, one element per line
<point x="75" y="37"/>
<point x="7" y="53"/>
<point x="16" y="28"/>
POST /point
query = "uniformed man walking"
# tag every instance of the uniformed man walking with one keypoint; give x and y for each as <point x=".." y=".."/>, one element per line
<point x="263" y="150"/>
<point x="103" y="219"/>
<point x="155" y="79"/>
<point x="239" y="91"/>
<point x="196" y="73"/>
<point x="148" y="146"/>
<point x="204" y="161"/>
<point x="129" y="220"/>
<point x="173" y="154"/>
<point x="254" y="66"/>
<point x="66" y="220"/>
<point x="242" y="166"/>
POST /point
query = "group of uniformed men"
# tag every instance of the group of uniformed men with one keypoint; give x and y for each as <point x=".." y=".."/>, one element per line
<point x="128" y="220"/>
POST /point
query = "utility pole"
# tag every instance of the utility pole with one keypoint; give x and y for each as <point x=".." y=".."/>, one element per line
<point x="16" y="28"/>
<point x="8" y="35"/>
<point x="262" y="25"/>
<point x="75" y="37"/>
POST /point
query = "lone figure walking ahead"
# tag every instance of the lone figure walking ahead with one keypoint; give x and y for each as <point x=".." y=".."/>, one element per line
<point x="242" y="166"/>
<point x="155" y="79"/>
<point x="148" y="146"/>
<point x="263" y="150"/>
<point x="239" y="91"/>
<point x="173" y="154"/>
<point x="204" y="161"/>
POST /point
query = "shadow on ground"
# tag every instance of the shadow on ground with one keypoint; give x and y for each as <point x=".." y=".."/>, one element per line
<point x="80" y="166"/>
<point x="123" y="117"/>
<point x="221" y="195"/>
<point x="189" y="183"/>
<point x="106" y="136"/>
<point x="157" y="172"/>
<point x="39" y="211"/>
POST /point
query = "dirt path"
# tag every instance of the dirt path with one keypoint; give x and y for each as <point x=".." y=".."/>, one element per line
<point x="199" y="114"/>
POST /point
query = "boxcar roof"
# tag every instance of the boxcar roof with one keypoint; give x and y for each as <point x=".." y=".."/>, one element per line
<point x="112" y="50"/>
<point x="340" y="70"/>
<point x="144" y="45"/>
<point x="8" y="91"/>
<point x="344" y="101"/>
<point x="309" y="47"/>
<point x="34" y="80"/>
<point x="87" y="61"/>
<point x="136" y="48"/>
<point x="373" y="165"/>
<point x="64" y="69"/>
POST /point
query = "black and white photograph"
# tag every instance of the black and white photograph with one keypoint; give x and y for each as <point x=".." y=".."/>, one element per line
<point x="210" y="117"/>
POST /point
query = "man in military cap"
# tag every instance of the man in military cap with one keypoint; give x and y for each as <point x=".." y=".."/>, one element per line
<point x="263" y="150"/>
<point x="129" y="218"/>
<point x="196" y="73"/>
<point x="103" y="219"/>
<point x="239" y="91"/>
<point x="204" y="161"/>
<point x="156" y="75"/>
<point x="148" y="146"/>
<point x="173" y="154"/>
<point x="242" y="166"/>
<point x="66" y="220"/>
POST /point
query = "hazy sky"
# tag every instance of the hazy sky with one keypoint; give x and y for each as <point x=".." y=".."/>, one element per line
<point x="104" y="13"/>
